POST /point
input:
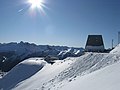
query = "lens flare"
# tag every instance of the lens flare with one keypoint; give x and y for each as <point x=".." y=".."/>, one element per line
<point x="37" y="4"/>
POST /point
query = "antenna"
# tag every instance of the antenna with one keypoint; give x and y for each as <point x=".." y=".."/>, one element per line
<point x="112" y="43"/>
<point x="118" y="37"/>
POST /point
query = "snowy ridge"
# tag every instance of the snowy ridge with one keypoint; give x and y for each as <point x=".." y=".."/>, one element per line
<point x="116" y="50"/>
<point x="83" y="65"/>
<point x="22" y="71"/>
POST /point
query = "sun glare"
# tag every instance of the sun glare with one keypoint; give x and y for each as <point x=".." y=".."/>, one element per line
<point x="36" y="3"/>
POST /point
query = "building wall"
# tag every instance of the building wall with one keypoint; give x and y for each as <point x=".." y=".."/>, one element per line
<point x="94" y="48"/>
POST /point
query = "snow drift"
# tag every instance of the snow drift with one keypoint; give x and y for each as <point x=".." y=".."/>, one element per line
<point x="22" y="71"/>
<point x="116" y="50"/>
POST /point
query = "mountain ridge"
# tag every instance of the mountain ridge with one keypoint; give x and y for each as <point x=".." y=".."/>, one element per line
<point x="13" y="53"/>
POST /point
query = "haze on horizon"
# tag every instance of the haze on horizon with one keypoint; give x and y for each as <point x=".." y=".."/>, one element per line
<point x="59" y="22"/>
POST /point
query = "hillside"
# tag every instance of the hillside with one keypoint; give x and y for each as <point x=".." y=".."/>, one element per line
<point x="104" y="79"/>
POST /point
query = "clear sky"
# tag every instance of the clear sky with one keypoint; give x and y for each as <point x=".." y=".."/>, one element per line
<point x="65" y="22"/>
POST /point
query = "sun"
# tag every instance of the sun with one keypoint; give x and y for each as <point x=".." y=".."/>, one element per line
<point x="36" y="3"/>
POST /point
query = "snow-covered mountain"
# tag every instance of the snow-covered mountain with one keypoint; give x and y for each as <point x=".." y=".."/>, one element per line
<point x="13" y="53"/>
<point x="92" y="71"/>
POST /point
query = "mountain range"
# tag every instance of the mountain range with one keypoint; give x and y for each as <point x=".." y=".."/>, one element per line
<point x="13" y="53"/>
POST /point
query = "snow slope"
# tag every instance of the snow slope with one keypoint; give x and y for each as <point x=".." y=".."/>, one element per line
<point x="32" y="77"/>
<point x="73" y="73"/>
<point x="83" y="65"/>
<point x="107" y="78"/>
<point x="103" y="79"/>
<point x="116" y="50"/>
<point x="22" y="71"/>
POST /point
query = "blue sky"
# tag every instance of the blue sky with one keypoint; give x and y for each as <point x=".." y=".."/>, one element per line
<point x="66" y="22"/>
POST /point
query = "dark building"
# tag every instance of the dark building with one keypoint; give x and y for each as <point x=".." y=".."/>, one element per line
<point x="94" y="43"/>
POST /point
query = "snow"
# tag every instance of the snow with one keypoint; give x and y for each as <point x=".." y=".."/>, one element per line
<point x="92" y="71"/>
<point x="22" y="71"/>
<point x="47" y="73"/>
<point x="0" y="75"/>
<point x="116" y="50"/>
<point x="81" y="66"/>
<point x="107" y="78"/>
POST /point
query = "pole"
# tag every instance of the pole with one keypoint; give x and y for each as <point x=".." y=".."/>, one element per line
<point x="112" y="43"/>
<point x="118" y="37"/>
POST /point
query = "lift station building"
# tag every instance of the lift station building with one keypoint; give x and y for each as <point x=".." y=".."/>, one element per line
<point x="94" y="44"/>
